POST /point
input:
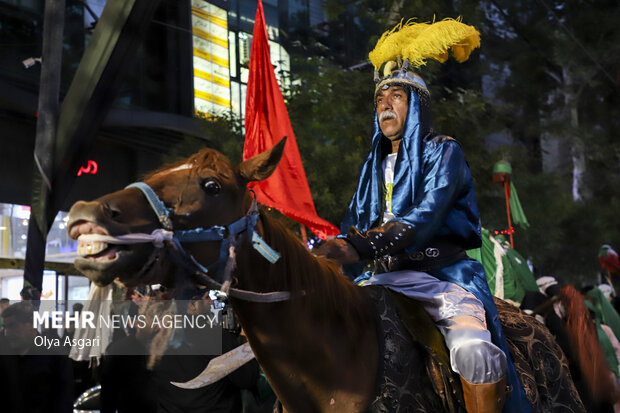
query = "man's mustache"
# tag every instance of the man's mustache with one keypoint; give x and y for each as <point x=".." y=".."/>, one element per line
<point x="387" y="114"/>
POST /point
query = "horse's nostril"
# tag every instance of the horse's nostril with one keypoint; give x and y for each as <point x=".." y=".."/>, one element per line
<point x="111" y="211"/>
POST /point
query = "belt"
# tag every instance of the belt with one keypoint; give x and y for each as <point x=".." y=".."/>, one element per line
<point x="437" y="254"/>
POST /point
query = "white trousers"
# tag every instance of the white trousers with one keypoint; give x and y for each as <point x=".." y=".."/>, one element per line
<point x="460" y="317"/>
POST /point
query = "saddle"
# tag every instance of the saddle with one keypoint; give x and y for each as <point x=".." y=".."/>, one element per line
<point x="403" y="325"/>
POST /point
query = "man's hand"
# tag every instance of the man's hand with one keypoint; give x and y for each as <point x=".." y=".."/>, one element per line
<point x="339" y="250"/>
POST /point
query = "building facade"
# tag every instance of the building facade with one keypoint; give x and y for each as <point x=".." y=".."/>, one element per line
<point x="193" y="63"/>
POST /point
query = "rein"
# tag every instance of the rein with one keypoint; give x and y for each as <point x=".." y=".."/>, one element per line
<point x="228" y="235"/>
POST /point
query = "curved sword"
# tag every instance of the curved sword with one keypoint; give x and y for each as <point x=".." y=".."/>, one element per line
<point x="219" y="367"/>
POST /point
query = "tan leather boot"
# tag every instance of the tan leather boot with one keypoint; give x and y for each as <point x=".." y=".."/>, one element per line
<point x="484" y="397"/>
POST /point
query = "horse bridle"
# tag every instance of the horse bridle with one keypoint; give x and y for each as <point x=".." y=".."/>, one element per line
<point x="228" y="235"/>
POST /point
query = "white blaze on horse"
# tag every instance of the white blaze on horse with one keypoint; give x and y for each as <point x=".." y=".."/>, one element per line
<point x="323" y="343"/>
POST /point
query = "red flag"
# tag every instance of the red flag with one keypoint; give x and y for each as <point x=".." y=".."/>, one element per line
<point x="266" y="122"/>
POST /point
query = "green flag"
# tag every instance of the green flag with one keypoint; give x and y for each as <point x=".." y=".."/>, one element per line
<point x="518" y="216"/>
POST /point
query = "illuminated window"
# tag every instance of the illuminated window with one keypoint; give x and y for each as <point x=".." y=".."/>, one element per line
<point x="235" y="98"/>
<point x="245" y="45"/>
<point x="14" y="235"/>
<point x="232" y="53"/>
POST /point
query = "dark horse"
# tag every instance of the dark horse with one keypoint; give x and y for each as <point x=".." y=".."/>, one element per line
<point x="576" y="334"/>
<point x="319" y="347"/>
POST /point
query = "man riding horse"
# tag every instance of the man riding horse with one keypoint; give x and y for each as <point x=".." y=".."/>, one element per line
<point x="325" y="344"/>
<point x="414" y="213"/>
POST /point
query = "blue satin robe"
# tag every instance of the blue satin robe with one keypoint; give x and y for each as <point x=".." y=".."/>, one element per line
<point x="433" y="191"/>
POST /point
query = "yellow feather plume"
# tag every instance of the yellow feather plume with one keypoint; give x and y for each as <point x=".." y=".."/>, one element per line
<point x="421" y="41"/>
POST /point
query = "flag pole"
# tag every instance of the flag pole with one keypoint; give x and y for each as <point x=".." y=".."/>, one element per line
<point x="507" y="194"/>
<point x="610" y="282"/>
<point x="304" y="236"/>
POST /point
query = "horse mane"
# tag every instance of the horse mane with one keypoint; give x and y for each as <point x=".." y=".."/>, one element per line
<point x="586" y="347"/>
<point x="205" y="156"/>
<point x="319" y="280"/>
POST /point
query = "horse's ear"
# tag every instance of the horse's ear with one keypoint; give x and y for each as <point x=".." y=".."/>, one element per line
<point x="261" y="166"/>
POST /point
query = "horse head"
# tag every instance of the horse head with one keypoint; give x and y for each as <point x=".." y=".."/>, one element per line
<point x="202" y="191"/>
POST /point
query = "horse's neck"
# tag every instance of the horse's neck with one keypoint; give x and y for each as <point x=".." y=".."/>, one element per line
<point x="316" y="286"/>
<point x="324" y="336"/>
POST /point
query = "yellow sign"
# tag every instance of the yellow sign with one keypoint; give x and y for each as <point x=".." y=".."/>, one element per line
<point x="211" y="64"/>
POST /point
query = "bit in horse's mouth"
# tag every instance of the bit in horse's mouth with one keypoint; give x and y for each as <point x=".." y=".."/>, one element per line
<point x="102" y="253"/>
<point x="92" y="242"/>
<point x="97" y="250"/>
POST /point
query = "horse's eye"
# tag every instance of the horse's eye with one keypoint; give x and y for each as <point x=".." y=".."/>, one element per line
<point x="211" y="187"/>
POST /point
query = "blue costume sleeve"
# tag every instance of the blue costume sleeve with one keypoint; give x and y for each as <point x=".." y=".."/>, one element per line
<point x="442" y="177"/>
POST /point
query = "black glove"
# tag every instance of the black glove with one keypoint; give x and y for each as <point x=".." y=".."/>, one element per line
<point x="388" y="239"/>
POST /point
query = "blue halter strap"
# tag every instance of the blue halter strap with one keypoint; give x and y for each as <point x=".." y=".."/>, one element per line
<point x="228" y="235"/>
